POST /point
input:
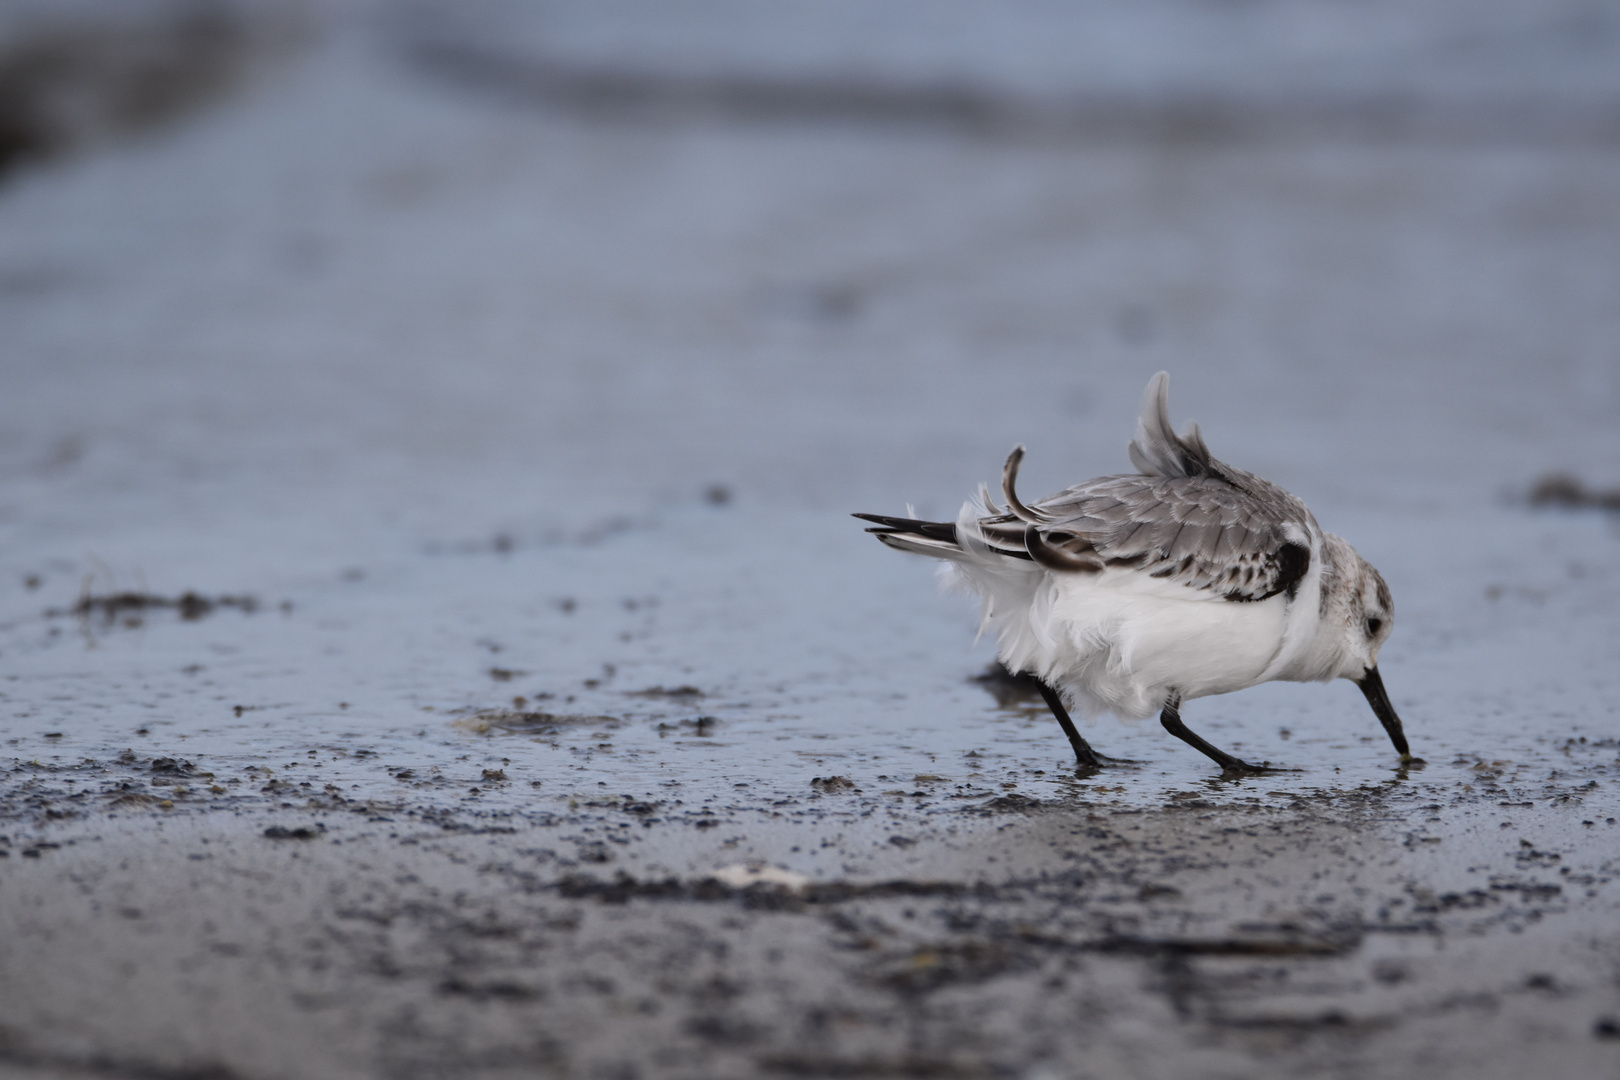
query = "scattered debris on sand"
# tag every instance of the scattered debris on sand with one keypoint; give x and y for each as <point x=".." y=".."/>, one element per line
<point x="128" y="607"/>
<point x="515" y="722"/>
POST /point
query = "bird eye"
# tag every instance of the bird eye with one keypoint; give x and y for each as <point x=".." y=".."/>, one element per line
<point x="1373" y="626"/>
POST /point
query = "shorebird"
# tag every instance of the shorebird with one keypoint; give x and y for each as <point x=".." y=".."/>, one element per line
<point x="1139" y="592"/>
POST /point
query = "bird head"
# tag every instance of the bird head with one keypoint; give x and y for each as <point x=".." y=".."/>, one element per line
<point x="1360" y="612"/>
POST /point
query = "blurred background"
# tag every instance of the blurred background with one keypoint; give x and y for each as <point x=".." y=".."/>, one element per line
<point x="634" y="299"/>
<point x="645" y="247"/>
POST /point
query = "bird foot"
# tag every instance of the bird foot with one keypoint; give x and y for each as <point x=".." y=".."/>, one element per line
<point x="1408" y="764"/>
<point x="1237" y="767"/>
<point x="1085" y="769"/>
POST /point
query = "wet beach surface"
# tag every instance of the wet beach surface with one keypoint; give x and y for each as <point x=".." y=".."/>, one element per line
<point x="433" y="641"/>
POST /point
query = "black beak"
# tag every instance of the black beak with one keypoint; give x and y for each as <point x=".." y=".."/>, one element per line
<point x="1372" y="685"/>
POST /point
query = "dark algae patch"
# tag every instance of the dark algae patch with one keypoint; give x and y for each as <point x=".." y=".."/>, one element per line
<point x="129" y="608"/>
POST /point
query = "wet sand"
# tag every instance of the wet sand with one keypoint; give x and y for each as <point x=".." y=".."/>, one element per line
<point x="1361" y="935"/>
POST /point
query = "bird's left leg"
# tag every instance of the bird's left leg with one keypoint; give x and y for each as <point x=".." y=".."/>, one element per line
<point x="1085" y="757"/>
<point x="1171" y="719"/>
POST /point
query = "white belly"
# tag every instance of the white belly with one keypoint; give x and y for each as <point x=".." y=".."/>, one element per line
<point x="1122" y="641"/>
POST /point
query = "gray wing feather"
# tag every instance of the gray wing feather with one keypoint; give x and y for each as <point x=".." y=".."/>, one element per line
<point x="1199" y="531"/>
<point x="1157" y="450"/>
<point x="1187" y="518"/>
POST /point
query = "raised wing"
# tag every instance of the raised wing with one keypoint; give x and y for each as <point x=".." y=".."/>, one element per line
<point x="1187" y="517"/>
<point x="1200" y="531"/>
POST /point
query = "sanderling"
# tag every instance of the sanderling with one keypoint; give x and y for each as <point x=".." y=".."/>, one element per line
<point x="1136" y="593"/>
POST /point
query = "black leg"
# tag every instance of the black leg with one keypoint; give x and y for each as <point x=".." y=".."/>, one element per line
<point x="1084" y="756"/>
<point x="1171" y="719"/>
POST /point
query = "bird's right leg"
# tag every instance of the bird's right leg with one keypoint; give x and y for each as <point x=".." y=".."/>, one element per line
<point x="1084" y="756"/>
<point x="1171" y="719"/>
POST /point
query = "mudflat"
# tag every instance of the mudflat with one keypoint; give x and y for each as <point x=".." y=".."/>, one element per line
<point x="1358" y="933"/>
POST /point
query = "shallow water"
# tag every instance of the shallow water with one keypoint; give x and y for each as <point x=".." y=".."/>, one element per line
<point x="677" y="663"/>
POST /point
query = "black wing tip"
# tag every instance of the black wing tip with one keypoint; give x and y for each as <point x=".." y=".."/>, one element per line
<point x="933" y="530"/>
<point x="885" y="525"/>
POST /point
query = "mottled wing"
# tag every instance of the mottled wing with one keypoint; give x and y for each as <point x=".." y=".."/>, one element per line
<point x="1234" y="534"/>
<point x="1186" y="518"/>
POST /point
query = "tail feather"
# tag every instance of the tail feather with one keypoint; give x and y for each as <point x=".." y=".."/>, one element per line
<point x="937" y="530"/>
<point x="919" y="545"/>
<point x="936" y="538"/>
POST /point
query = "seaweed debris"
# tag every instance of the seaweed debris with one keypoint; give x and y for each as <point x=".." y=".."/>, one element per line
<point x="131" y="605"/>
<point x="515" y="722"/>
